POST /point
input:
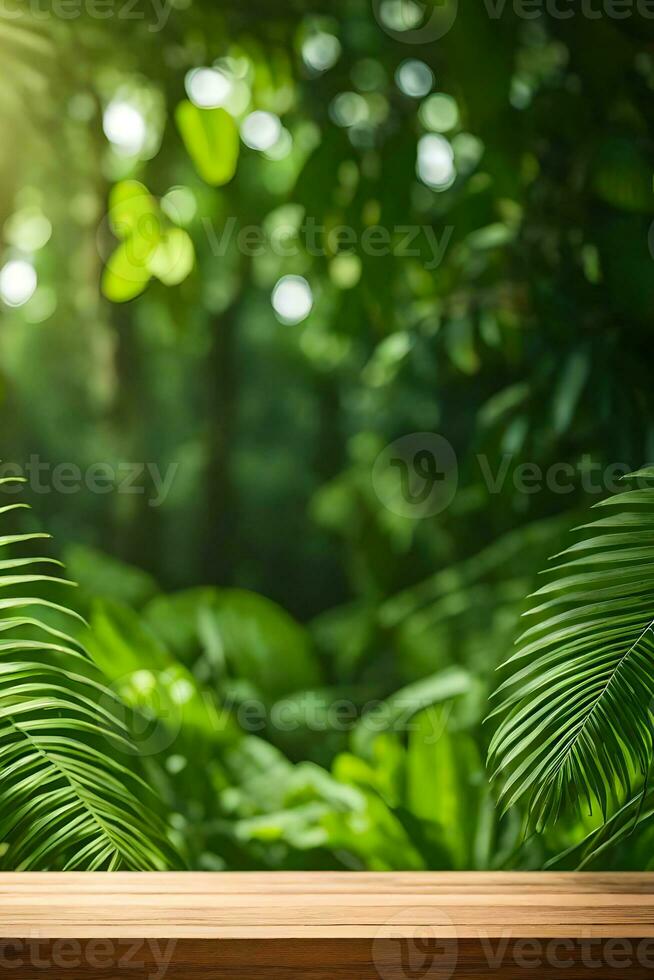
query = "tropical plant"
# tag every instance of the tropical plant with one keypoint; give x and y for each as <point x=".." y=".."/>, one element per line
<point x="576" y="711"/>
<point x="65" y="799"/>
<point x="268" y="754"/>
<point x="145" y="241"/>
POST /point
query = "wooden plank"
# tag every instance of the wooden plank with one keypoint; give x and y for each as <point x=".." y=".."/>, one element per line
<point x="288" y="906"/>
<point x="388" y="960"/>
<point x="337" y="959"/>
<point x="365" y="882"/>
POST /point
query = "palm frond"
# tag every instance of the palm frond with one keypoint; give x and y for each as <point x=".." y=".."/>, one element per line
<point x="575" y="718"/>
<point x="630" y="821"/>
<point x="66" y="799"/>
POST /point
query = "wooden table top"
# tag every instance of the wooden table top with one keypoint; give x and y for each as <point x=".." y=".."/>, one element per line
<point x="290" y="905"/>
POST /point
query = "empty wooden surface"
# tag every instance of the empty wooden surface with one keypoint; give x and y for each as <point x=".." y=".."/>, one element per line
<point x="283" y="906"/>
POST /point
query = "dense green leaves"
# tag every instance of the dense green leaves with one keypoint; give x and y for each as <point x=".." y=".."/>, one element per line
<point x="150" y="245"/>
<point x="247" y="635"/>
<point x="472" y="219"/>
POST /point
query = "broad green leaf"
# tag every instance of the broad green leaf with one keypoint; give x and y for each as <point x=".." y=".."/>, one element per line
<point x="263" y="644"/>
<point x="173" y="258"/>
<point x="105" y="577"/>
<point x="246" y="636"/>
<point x="397" y="712"/>
<point x="445" y="782"/>
<point x="574" y="375"/>
<point x="133" y="210"/>
<point x="126" y="274"/>
<point x="211" y="139"/>
<point x="149" y="678"/>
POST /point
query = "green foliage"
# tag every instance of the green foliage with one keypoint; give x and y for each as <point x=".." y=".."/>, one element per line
<point x="243" y="633"/>
<point x="149" y="246"/>
<point x="577" y="708"/>
<point x="281" y="645"/>
<point x="258" y="769"/>
<point x="67" y="800"/>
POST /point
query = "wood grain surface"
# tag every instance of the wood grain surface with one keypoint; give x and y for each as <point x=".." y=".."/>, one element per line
<point x="293" y="906"/>
<point x="324" y="959"/>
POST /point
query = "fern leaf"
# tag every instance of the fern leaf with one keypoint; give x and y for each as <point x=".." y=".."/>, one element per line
<point x="575" y="714"/>
<point x="67" y="798"/>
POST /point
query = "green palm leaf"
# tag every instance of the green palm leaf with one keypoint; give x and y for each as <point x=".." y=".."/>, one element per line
<point x="575" y="718"/>
<point x="66" y="799"/>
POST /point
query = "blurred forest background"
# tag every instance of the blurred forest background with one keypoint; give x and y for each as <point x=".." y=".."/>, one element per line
<point x="248" y="247"/>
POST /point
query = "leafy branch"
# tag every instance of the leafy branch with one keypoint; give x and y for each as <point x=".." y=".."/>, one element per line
<point x="575" y="718"/>
<point x="65" y="799"/>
